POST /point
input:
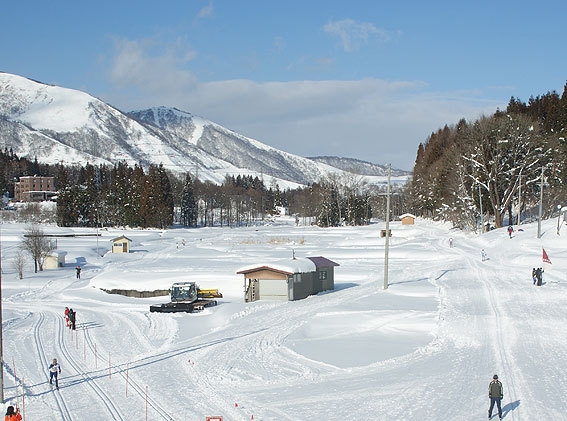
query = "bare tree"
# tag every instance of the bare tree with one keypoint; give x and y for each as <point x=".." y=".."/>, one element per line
<point x="19" y="263"/>
<point x="503" y="150"/>
<point x="37" y="245"/>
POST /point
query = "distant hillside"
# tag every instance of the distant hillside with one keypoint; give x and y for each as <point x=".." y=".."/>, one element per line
<point x="59" y="125"/>
<point x="356" y="166"/>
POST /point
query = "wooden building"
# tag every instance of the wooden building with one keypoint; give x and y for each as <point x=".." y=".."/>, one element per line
<point x="407" y="219"/>
<point x="121" y="244"/>
<point x="290" y="279"/>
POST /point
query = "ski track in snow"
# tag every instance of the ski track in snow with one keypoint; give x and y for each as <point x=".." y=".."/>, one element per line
<point x="483" y="318"/>
<point x="42" y="355"/>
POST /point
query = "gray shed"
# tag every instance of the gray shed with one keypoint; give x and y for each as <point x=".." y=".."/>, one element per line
<point x="289" y="279"/>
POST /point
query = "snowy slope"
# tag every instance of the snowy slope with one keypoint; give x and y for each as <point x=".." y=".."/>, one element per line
<point x="94" y="131"/>
<point x="59" y="125"/>
<point x="238" y="150"/>
<point x="424" y="349"/>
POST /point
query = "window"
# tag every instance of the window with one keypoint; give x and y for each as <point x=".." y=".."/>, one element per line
<point x="323" y="275"/>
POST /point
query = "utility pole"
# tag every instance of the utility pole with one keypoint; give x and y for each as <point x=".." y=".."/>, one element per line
<point x="520" y="197"/>
<point x="387" y="231"/>
<point x="540" y="206"/>
<point x="1" y="329"/>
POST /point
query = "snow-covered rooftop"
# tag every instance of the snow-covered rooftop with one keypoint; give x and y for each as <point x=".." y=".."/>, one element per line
<point x="289" y="266"/>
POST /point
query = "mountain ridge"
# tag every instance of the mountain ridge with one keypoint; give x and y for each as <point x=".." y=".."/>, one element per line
<point x="62" y="125"/>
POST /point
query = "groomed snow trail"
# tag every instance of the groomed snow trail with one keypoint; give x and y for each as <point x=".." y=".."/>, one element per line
<point x="447" y="322"/>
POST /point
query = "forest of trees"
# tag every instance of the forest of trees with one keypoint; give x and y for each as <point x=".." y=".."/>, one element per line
<point x="493" y="169"/>
<point x="101" y="196"/>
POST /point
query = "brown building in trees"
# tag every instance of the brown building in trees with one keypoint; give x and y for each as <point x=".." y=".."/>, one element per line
<point x="34" y="189"/>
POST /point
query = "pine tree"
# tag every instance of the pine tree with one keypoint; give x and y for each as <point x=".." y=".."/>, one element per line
<point x="189" y="211"/>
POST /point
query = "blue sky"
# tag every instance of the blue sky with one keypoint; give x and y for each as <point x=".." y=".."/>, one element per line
<point x="362" y="79"/>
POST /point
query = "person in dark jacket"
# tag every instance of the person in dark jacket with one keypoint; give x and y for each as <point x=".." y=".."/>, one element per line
<point x="495" y="393"/>
<point x="72" y="318"/>
<point x="539" y="276"/>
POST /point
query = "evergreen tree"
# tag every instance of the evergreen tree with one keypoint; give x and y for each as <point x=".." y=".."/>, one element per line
<point x="189" y="211"/>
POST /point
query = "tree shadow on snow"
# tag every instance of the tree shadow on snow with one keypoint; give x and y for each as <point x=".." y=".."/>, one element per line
<point x="345" y="286"/>
<point x="81" y="261"/>
<point x="408" y="281"/>
<point x="446" y="271"/>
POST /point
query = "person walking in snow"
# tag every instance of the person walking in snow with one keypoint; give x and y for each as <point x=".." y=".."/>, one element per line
<point x="54" y="371"/>
<point x="12" y="415"/>
<point x="68" y="324"/>
<point x="483" y="255"/>
<point x="539" y="276"/>
<point x="450" y="243"/>
<point x="78" y="269"/>
<point x="510" y="230"/>
<point x="495" y="393"/>
<point x="72" y="318"/>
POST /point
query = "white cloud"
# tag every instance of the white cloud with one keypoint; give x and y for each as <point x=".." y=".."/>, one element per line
<point x="353" y="34"/>
<point x="134" y="66"/>
<point x="206" y="11"/>
<point x="376" y="120"/>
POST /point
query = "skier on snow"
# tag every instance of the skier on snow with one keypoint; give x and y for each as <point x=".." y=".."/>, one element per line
<point x="54" y="371"/>
<point x="495" y="393"/>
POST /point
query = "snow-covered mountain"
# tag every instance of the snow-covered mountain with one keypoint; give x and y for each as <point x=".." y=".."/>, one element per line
<point x="60" y="125"/>
<point x="357" y="166"/>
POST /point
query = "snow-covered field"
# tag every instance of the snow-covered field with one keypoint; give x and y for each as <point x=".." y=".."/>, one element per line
<point x="424" y="349"/>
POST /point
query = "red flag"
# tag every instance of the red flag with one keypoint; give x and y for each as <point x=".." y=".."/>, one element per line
<point x="545" y="257"/>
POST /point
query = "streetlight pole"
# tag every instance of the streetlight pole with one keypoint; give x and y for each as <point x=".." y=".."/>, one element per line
<point x="387" y="231"/>
<point x="520" y="197"/>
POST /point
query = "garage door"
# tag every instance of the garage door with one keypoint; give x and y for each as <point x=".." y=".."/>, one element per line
<point x="273" y="289"/>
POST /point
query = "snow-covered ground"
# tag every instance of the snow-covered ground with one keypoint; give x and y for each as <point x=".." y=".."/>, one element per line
<point x="424" y="349"/>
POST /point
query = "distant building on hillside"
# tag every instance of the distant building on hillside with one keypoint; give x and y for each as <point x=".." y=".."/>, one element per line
<point x="34" y="189"/>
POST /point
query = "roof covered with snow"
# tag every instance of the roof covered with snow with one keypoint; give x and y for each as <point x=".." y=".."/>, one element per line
<point x="288" y="266"/>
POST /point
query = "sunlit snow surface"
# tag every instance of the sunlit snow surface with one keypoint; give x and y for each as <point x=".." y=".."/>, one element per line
<point x="424" y="349"/>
